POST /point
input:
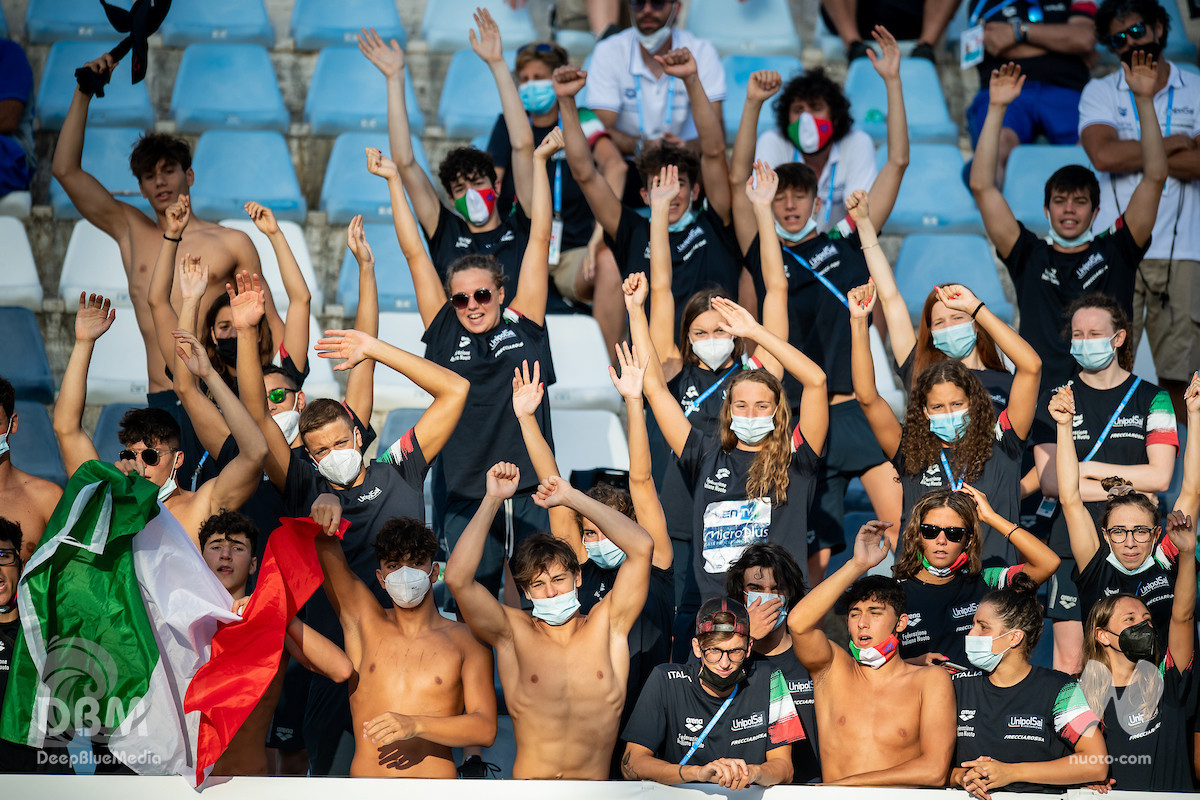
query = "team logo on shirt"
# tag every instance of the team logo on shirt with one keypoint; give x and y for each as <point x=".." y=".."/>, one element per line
<point x="755" y="720"/>
<point x="967" y="714"/>
<point x="1110" y="592"/>
<point x="1033" y="721"/>
<point x="958" y="612"/>
<point x="914" y="619"/>
<point x="820" y="257"/>
<point x="464" y="341"/>
<point x="507" y="333"/>
<point x="1093" y="260"/>
<point x="722" y="474"/>
<point x="1161" y="582"/>
<point x="371" y="495"/>
<point x="1050" y="276"/>
<point x="693" y="724"/>
<point x="801" y="687"/>
<point x="463" y="243"/>
<point x="932" y="476"/>
<point x="678" y="675"/>
<point x="1067" y="601"/>
<point x="717" y="485"/>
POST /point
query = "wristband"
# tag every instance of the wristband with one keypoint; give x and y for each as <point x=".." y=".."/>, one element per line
<point x="169" y="239"/>
<point x="681" y="780"/>
<point x="867" y="247"/>
<point x="1010" y="533"/>
<point x="977" y="308"/>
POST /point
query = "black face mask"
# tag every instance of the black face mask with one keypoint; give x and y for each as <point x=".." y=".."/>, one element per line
<point x="1139" y="643"/>
<point x="722" y="684"/>
<point x="1153" y="51"/>
<point x="227" y="350"/>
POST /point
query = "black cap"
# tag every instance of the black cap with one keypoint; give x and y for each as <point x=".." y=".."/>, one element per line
<point x="706" y="618"/>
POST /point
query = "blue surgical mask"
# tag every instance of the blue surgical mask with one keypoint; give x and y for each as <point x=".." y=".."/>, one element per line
<point x="752" y="430"/>
<point x="766" y="597"/>
<point x="683" y="222"/>
<point x="1083" y="238"/>
<point x="979" y="651"/>
<point x="604" y="553"/>
<point x="1093" y="354"/>
<point x="558" y="609"/>
<point x="951" y="426"/>
<point x="787" y="236"/>
<point x="4" y="442"/>
<point x="956" y="341"/>
<point x="538" y="96"/>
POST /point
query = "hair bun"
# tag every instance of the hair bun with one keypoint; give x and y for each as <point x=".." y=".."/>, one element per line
<point x="1023" y="583"/>
<point x="1116" y="486"/>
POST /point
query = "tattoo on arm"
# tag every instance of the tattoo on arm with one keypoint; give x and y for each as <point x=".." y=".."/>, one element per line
<point x="627" y="770"/>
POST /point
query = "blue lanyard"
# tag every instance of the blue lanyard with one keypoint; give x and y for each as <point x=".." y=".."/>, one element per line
<point x="993" y="12"/>
<point x="1112" y="420"/>
<point x="1170" y="107"/>
<point x="637" y="90"/>
<point x="949" y="474"/>
<point x="708" y="727"/>
<point x="825" y="281"/>
<point x="695" y="404"/>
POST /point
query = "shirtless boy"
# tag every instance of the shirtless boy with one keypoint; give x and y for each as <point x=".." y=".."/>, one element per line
<point x="422" y="684"/>
<point x="883" y="721"/>
<point x="563" y="674"/>
<point x="228" y="542"/>
<point x="26" y="500"/>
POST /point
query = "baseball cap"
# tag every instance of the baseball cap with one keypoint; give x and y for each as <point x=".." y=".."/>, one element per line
<point x="706" y="619"/>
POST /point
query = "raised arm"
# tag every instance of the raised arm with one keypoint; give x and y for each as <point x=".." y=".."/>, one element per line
<point x="604" y="202"/>
<point x="349" y="596"/>
<point x="761" y="87"/>
<point x="533" y="284"/>
<point x="895" y="310"/>
<point x="760" y="190"/>
<point x="879" y="414"/>
<point x="887" y="183"/>
<point x="667" y="413"/>
<point x="1002" y="228"/>
<point x="360" y="386"/>
<point x="1181" y="529"/>
<point x="1143" y="203"/>
<point x="206" y="418"/>
<point x="95" y="316"/>
<point x="487" y="46"/>
<point x="709" y="129"/>
<point x="1189" y="492"/>
<point x="664" y="187"/>
<point x="161" y="279"/>
<point x="295" y="325"/>
<point x="1080" y="525"/>
<point x="1040" y="560"/>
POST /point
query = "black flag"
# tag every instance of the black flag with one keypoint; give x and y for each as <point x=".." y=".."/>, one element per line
<point x="139" y="23"/>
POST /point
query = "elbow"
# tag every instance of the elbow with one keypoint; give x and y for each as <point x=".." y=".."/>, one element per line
<point x="487" y="732"/>
<point x="899" y="158"/>
<point x="344" y="671"/>
<point x="817" y="381"/>
<point x="60" y="168"/>
<point x="1155" y="174"/>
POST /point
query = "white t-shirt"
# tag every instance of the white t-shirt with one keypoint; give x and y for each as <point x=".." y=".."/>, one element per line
<point x="619" y="79"/>
<point x="850" y="166"/>
<point x="1107" y="101"/>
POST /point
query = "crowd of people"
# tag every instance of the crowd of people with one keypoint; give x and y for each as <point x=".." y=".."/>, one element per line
<point x="683" y="622"/>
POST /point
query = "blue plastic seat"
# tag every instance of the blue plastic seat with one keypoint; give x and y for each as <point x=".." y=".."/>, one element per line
<point x="928" y="260"/>
<point x="348" y="189"/>
<point x="19" y="282"/>
<point x="933" y="198"/>
<point x="221" y="21"/>
<point x="348" y="94"/>
<point x="470" y="102"/>
<point x="924" y="105"/>
<point x="105" y="158"/>
<point x="35" y="447"/>
<point x="738" y="69"/>
<point x="104" y="437"/>
<point x="227" y="86"/>
<point x="444" y="26"/>
<point x="73" y="20"/>
<point x="1029" y="167"/>
<point x="123" y="103"/>
<point x="762" y="27"/>
<point x="320" y="23"/>
<point x="235" y="166"/>
<point x="392" y="276"/>
<point x="23" y="361"/>
<point x="1179" y="47"/>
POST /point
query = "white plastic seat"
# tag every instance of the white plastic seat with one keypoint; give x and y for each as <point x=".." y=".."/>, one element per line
<point x="93" y="264"/>
<point x="294" y="235"/>
<point x="580" y="365"/>
<point x="118" y="369"/>
<point x="587" y="439"/>
<point x="19" y="283"/>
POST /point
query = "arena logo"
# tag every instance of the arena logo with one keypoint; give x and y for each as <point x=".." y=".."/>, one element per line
<point x="914" y="618"/>
<point x="693" y="724"/>
<point x="967" y="714"/>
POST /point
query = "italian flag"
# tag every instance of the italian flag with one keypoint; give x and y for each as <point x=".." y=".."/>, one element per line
<point x="783" y="723"/>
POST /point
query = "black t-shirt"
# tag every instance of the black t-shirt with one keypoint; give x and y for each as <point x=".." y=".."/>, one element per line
<point x="997" y="383"/>
<point x="704" y="255"/>
<point x="1058" y="69"/>
<point x="1048" y="281"/>
<point x="728" y="522"/>
<point x="17" y="758"/>
<point x="806" y="762"/>
<point x="940" y="615"/>
<point x="1153" y="754"/>
<point x="1155" y="586"/>
<point x="674" y="709"/>
<point x="1041" y="718"/>
<point x="452" y="239"/>
<point x="818" y="321"/>
<point x="488" y="432"/>
<point x="1000" y="482"/>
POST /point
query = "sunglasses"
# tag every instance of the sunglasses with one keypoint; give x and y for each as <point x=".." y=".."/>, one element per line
<point x="462" y="300"/>
<point x="1141" y="534"/>
<point x="953" y="533"/>
<point x="279" y="395"/>
<point x="149" y="456"/>
<point x="1135" y="31"/>
<point x="657" y="5"/>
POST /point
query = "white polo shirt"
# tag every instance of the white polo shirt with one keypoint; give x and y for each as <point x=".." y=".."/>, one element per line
<point x="850" y="166"/>
<point x="1107" y="101"/>
<point x="620" y="81"/>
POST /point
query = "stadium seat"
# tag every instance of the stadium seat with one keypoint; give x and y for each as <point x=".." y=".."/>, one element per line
<point x="49" y="21"/>
<point x="118" y="369"/>
<point x="319" y="23"/>
<point x="928" y="260"/>
<point x="1029" y="166"/>
<point x="294" y="235"/>
<point x="227" y="86"/>
<point x="392" y="276"/>
<point x="23" y="361"/>
<point x="393" y="390"/>
<point x="575" y="42"/>
<point x="397" y="423"/>
<point x="235" y="166"/>
<point x="480" y="142"/>
<point x="320" y="381"/>
<point x="1179" y="47"/>
<point x="123" y="103"/>
<point x="468" y="77"/>
<point x="223" y="21"/>
<point x="444" y="26"/>
<point x="932" y="197"/>
<point x="580" y="364"/>
<point x="738" y="69"/>
<point x="348" y="188"/>
<point x="34" y="446"/>
<point x="587" y="439"/>
<point x="762" y="27"/>
<point x="16" y="204"/>
<point x="347" y="93"/>
<point x="19" y="283"/>
<point x="924" y="105"/>
<point x="93" y="264"/>
<point x="105" y="158"/>
<point x="104" y="437"/>
<point x="832" y="48"/>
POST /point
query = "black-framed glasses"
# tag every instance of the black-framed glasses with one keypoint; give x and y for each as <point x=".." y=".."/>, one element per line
<point x="657" y="5"/>
<point x="149" y="456"/>
<point x="1141" y="534"/>
<point x="954" y="533"/>
<point x="8" y="556"/>
<point x="277" y="396"/>
<point x="1135" y="31"/>
<point x="462" y="299"/>
<point x="713" y="655"/>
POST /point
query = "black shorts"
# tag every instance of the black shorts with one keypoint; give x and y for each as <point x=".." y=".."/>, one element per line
<point x="1062" y="595"/>
<point x="851" y="450"/>
<point x="287" y="725"/>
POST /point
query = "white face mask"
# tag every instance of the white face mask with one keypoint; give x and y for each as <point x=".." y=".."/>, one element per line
<point x="556" y="610"/>
<point x="407" y="586"/>
<point x="168" y="488"/>
<point x="713" y="351"/>
<point x="341" y="467"/>
<point x="653" y="41"/>
<point x="289" y="423"/>
<point x="751" y="430"/>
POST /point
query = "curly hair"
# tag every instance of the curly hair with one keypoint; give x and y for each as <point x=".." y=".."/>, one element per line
<point x="1120" y="322"/>
<point x="696" y="305"/>
<point x="151" y="426"/>
<point x="879" y="588"/>
<point x="918" y="444"/>
<point x="612" y="497"/>
<point x="651" y="162"/>
<point x="1018" y="608"/>
<point x="229" y="523"/>
<point x="810" y="86"/>
<point x="1150" y="11"/>
<point x="962" y="504"/>
<point x="482" y="261"/>
<point x="266" y="343"/>
<point x="465" y="163"/>
<point x="789" y="579"/>
<point x="405" y="540"/>
<point x="151" y="148"/>
<point x="925" y="353"/>
<point x="769" y="473"/>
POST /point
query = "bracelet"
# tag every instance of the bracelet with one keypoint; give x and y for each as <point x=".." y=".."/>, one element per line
<point x="867" y="247"/>
<point x="169" y="239"/>
<point x="681" y="780"/>
<point x="977" y="308"/>
<point x="1018" y="30"/>
<point x="1014" y="530"/>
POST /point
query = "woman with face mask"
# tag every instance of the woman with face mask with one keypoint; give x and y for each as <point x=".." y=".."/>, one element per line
<point x="1020" y="727"/>
<point x="951" y="435"/>
<point x="943" y="575"/>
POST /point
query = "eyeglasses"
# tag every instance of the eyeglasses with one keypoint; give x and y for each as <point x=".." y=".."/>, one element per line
<point x="279" y="395"/>
<point x="713" y="655"/>
<point x="462" y="300"/>
<point x="149" y="456"/>
<point x="657" y="5"/>
<point x="8" y="557"/>
<point x="1141" y="534"/>
<point x="1135" y="31"/>
<point x="953" y="533"/>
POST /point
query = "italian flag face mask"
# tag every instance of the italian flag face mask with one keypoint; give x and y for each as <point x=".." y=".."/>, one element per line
<point x="945" y="572"/>
<point x="476" y="206"/>
<point x="878" y="655"/>
<point x="810" y="133"/>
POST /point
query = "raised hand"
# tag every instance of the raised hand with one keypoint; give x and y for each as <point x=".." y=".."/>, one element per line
<point x="887" y="65"/>
<point x="387" y="58"/>
<point x="248" y="302"/>
<point x="986" y="513"/>
<point x="192" y="353"/>
<point x="957" y="297"/>
<point x="487" y="44"/>
<point x="763" y="85"/>
<point x="862" y="300"/>
<point x="678" y="63"/>
<point x="552" y="492"/>
<point x="738" y="320"/>
<point x="381" y="165"/>
<point x="193" y="277"/>
<point x="762" y="185"/>
<point x="1140" y="73"/>
<point x="664" y="187"/>
<point x="327" y="513"/>
<point x="264" y="218"/>
<point x="104" y="65"/>
<point x="568" y="81"/>
<point x="527" y="392"/>
<point x="1181" y="531"/>
<point x="550" y="145"/>
<point x="94" y="318"/>
<point x="502" y="480"/>
<point x="856" y="204"/>
<point x="350" y="345"/>
<point x="633" y="372"/>
<point x="1062" y="406"/>
<point x="1192" y="396"/>
<point x="389" y="727"/>
<point x="870" y="545"/>
<point x="1005" y="85"/>
<point x="178" y="215"/>
<point x="636" y="288"/>
<point x="356" y="240"/>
